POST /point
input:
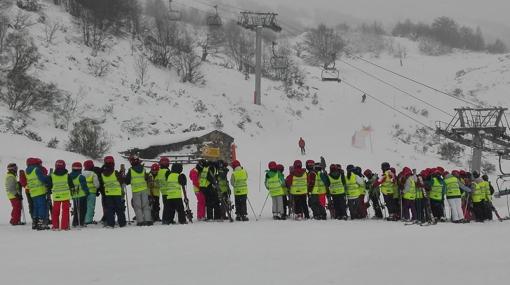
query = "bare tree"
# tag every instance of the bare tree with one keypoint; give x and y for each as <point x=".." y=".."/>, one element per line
<point x="98" y="66"/>
<point x="66" y="111"/>
<point x="89" y="139"/>
<point x="21" y="21"/>
<point x="239" y="47"/>
<point x="141" y="69"/>
<point x="187" y="62"/>
<point x="4" y="24"/>
<point x="50" y="29"/>
<point x="323" y="45"/>
<point x="22" y="52"/>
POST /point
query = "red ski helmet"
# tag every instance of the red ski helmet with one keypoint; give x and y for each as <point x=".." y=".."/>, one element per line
<point x="164" y="161"/>
<point x="88" y="165"/>
<point x="76" y="166"/>
<point x="280" y="168"/>
<point x="109" y="160"/>
<point x="272" y="166"/>
<point x="155" y="167"/>
<point x="235" y="164"/>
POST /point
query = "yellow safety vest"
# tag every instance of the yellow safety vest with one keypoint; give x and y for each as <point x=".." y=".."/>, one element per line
<point x="37" y="188"/>
<point x="174" y="188"/>
<point x="336" y="187"/>
<point x="160" y="181"/>
<point x="477" y="196"/>
<point x="411" y="194"/>
<point x="452" y="187"/>
<point x="78" y="191"/>
<point x="436" y="191"/>
<point x="353" y="190"/>
<point x="138" y="182"/>
<point x="486" y="190"/>
<point x="387" y="187"/>
<point x="203" y="178"/>
<point x="7" y="177"/>
<point x="318" y="187"/>
<point x="90" y="184"/>
<point x="299" y="184"/>
<point x="240" y="182"/>
<point x="111" y="185"/>
<point x="274" y="185"/>
<point x="60" y="190"/>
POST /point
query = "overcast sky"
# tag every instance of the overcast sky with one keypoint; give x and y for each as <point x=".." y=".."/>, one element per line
<point x="492" y="15"/>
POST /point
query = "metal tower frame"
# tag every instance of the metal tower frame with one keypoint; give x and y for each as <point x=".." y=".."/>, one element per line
<point x="255" y="21"/>
<point x="473" y="127"/>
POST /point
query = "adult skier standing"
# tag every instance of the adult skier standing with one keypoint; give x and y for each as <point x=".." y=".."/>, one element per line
<point x="176" y="182"/>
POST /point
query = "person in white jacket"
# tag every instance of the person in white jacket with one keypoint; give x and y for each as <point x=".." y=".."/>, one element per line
<point x="93" y="185"/>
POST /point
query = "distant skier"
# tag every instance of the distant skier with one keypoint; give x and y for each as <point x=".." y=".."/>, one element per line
<point x="363" y="98"/>
<point x="13" y="189"/>
<point x="301" y="144"/>
<point x="239" y="181"/>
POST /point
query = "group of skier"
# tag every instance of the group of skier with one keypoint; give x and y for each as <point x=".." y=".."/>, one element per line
<point x="409" y="196"/>
<point x="50" y="193"/>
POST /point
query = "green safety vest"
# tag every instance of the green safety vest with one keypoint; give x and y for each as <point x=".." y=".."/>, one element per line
<point x="7" y="177"/>
<point x="299" y="184"/>
<point x="60" y="190"/>
<point x="90" y="184"/>
<point x="353" y="189"/>
<point x="419" y="193"/>
<point x="362" y="188"/>
<point x="318" y="187"/>
<point x="240" y="182"/>
<point x="160" y="182"/>
<point x="174" y="188"/>
<point x="138" y="182"/>
<point x="486" y="190"/>
<point x="336" y="187"/>
<point x="411" y="194"/>
<point x="274" y="185"/>
<point x="37" y="188"/>
<point x="387" y="187"/>
<point x="223" y="185"/>
<point x="111" y="185"/>
<point x="436" y="191"/>
<point x="477" y="195"/>
<point x="452" y="187"/>
<point x="203" y="178"/>
<point x="78" y="191"/>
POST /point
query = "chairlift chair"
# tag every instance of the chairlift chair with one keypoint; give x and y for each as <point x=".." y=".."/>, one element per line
<point x="214" y="20"/>
<point x="278" y="62"/>
<point x="503" y="182"/>
<point x="173" y="15"/>
<point x="330" y="73"/>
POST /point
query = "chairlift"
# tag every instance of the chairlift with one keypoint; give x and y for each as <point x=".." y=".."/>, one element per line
<point x="330" y="73"/>
<point x="503" y="183"/>
<point x="278" y="62"/>
<point x="173" y="15"/>
<point x="214" y="20"/>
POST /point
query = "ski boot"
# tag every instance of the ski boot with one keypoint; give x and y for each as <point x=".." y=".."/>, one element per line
<point x="244" y="218"/>
<point x="238" y="218"/>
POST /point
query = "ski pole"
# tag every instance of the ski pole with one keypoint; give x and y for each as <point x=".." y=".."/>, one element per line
<point x="264" y="205"/>
<point x="252" y="209"/>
